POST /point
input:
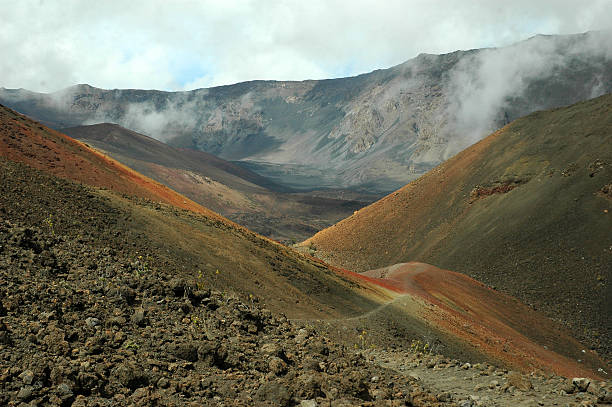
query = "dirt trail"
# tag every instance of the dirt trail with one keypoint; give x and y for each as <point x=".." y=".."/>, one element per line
<point x="460" y="317"/>
<point x="484" y="384"/>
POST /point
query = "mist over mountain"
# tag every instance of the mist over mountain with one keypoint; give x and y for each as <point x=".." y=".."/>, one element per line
<point x="375" y="131"/>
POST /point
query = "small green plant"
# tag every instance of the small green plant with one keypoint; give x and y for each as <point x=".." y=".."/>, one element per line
<point x="49" y="222"/>
<point x="131" y="345"/>
<point x="140" y="266"/>
<point x="417" y="346"/>
<point x="200" y="281"/>
<point x="217" y="278"/>
<point x="195" y="321"/>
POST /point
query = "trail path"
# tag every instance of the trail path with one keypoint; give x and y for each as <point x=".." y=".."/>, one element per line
<point x="483" y="384"/>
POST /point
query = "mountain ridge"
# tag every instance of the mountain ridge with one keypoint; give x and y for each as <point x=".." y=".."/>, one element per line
<point x="375" y="131"/>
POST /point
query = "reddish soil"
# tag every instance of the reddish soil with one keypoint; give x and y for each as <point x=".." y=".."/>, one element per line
<point x="25" y="141"/>
<point x="526" y="211"/>
<point x="496" y="324"/>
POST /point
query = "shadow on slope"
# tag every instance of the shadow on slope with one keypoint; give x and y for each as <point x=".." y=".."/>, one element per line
<point x="229" y="189"/>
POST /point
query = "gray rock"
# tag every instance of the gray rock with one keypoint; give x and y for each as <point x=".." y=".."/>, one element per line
<point x="138" y="317"/>
<point x="445" y="397"/>
<point x="277" y="365"/>
<point x="64" y="390"/>
<point x="129" y="376"/>
<point x="92" y="322"/>
<point x="271" y="349"/>
<point x="480" y="386"/>
<point x="309" y="386"/>
<point x="568" y="387"/>
<point x="27" y="376"/>
<point x="414" y="376"/>
<point x="275" y="393"/>
<point x="301" y="336"/>
<point x="207" y="353"/>
<point x="519" y="381"/>
<point x="605" y="397"/>
<point x="308" y="403"/>
<point x="25" y="393"/>
<point x="581" y="383"/>
<point x="185" y="351"/>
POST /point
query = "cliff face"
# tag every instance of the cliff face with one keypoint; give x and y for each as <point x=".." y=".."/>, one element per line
<point x="375" y="131"/>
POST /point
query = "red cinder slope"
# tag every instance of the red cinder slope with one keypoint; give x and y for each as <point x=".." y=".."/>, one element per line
<point x="24" y="140"/>
<point x="526" y="210"/>
<point x="494" y="323"/>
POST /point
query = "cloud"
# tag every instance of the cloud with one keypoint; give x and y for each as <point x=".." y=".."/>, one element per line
<point x="483" y="85"/>
<point x="183" y="44"/>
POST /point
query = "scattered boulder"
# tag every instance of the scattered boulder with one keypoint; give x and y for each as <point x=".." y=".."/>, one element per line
<point x="27" y="376"/>
<point x="274" y="392"/>
<point x="92" y="322"/>
<point x="25" y="393"/>
<point x="277" y="366"/>
<point x="130" y="376"/>
<point x="185" y="351"/>
<point x="138" y="317"/>
<point x="581" y="383"/>
<point x="519" y="381"/>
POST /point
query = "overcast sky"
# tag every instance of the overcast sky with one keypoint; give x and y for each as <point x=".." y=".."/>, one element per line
<point x="176" y="45"/>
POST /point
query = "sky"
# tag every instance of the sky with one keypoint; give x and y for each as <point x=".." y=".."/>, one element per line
<point x="48" y="45"/>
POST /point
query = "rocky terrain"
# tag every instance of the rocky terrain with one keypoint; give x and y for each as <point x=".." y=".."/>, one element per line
<point x="115" y="290"/>
<point x="525" y="211"/>
<point x="234" y="192"/>
<point x="84" y="324"/>
<point x="375" y="131"/>
<point x="91" y="316"/>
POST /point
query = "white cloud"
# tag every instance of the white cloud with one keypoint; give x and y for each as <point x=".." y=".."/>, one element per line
<point x="49" y="45"/>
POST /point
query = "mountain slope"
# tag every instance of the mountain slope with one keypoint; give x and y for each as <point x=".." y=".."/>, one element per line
<point x="139" y="251"/>
<point x="186" y="241"/>
<point x="234" y="192"/>
<point x="128" y="144"/>
<point x="93" y="311"/>
<point x="376" y="131"/>
<point x="26" y="141"/>
<point x="526" y="210"/>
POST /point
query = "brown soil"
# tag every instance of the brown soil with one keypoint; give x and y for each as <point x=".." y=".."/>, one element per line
<point x="93" y="282"/>
<point x="234" y="192"/>
<point x="91" y="322"/>
<point x="94" y="312"/>
<point x="495" y="323"/>
<point x="539" y="230"/>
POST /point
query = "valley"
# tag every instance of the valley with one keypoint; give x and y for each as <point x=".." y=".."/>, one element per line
<point x="432" y="234"/>
<point x="231" y="190"/>
<point x="526" y="211"/>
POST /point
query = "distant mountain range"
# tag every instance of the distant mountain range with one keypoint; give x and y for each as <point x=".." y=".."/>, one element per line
<point x="375" y="131"/>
